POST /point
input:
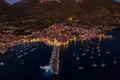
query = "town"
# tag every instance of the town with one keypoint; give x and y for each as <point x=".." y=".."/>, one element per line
<point x="57" y="34"/>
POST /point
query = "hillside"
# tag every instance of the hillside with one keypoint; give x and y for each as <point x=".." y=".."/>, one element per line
<point x="97" y="12"/>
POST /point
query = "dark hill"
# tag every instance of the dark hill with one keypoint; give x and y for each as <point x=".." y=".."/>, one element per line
<point x="98" y="12"/>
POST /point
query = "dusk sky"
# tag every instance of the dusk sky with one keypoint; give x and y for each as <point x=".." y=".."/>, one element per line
<point x="13" y="1"/>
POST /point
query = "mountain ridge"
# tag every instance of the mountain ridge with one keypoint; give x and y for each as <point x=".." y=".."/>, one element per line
<point x="88" y="11"/>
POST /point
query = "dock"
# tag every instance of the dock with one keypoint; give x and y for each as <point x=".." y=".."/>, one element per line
<point x="54" y="61"/>
<point x="53" y="66"/>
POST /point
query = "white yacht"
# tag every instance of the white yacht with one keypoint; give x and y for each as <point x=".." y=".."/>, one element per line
<point x="108" y="52"/>
<point x="103" y="63"/>
<point x="2" y="64"/>
<point x="94" y="65"/>
<point x="81" y="67"/>
<point x="83" y="54"/>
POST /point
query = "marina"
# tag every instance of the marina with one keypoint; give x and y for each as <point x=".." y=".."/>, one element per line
<point x="79" y="57"/>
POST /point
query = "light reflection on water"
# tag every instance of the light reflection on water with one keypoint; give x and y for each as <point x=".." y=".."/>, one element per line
<point x="47" y="74"/>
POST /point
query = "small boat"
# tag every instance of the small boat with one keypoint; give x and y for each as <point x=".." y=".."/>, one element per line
<point x="98" y="50"/>
<point x="81" y="67"/>
<point x="74" y="54"/>
<point x="99" y="54"/>
<point x="77" y="58"/>
<point x="108" y="52"/>
<point x="87" y="50"/>
<point x="91" y="57"/>
<point x="92" y="52"/>
<point x="94" y="65"/>
<point x="98" y="47"/>
<point x="22" y="63"/>
<point x="46" y="68"/>
<point x="20" y="56"/>
<point x="2" y="64"/>
<point x="103" y="64"/>
<point x="115" y="61"/>
<point x="83" y="54"/>
<point x="25" y="53"/>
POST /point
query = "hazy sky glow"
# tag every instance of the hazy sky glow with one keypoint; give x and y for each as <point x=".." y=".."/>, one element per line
<point x="118" y="0"/>
<point x="14" y="1"/>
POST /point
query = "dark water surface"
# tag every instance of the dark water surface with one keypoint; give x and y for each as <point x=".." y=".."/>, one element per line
<point x="94" y="60"/>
